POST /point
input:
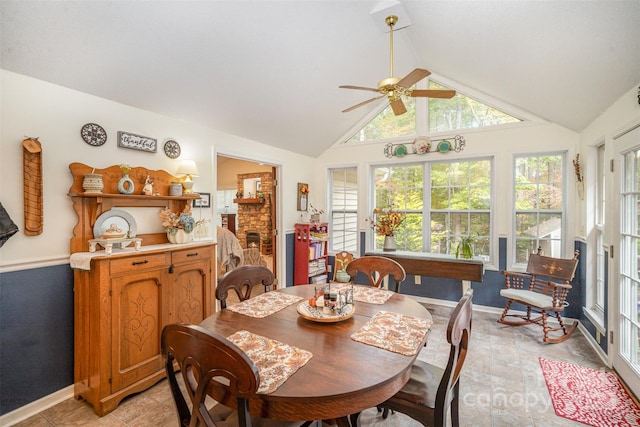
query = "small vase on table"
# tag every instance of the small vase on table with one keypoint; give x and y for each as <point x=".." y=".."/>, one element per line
<point x="389" y="244"/>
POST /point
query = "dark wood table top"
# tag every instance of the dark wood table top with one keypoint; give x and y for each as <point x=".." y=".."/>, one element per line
<point x="343" y="376"/>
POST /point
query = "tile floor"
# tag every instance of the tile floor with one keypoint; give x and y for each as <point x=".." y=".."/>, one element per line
<point x="501" y="384"/>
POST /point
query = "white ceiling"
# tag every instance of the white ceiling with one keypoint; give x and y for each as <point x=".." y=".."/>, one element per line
<point x="270" y="70"/>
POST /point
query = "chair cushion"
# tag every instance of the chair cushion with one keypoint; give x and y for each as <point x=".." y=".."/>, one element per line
<point x="423" y="385"/>
<point x="527" y="297"/>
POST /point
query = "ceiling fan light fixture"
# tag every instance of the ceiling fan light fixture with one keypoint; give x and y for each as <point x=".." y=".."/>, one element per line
<point x="393" y="87"/>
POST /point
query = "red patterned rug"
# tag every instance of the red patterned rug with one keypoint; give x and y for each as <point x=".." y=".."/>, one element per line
<point x="589" y="396"/>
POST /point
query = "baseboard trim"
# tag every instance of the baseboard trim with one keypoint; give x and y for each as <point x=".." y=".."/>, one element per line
<point x="36" y="407"/>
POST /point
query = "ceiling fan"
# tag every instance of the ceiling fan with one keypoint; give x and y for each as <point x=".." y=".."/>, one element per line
<point x="394" y="88"/>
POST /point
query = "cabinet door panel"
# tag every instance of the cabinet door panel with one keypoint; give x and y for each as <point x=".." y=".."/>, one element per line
<point x="137" y="324"/>
<point x="190" y="293"/>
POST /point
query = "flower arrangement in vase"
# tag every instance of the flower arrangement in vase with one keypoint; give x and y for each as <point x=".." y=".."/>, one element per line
<point x="179" y="226"/>
<point x="386" y="222"/>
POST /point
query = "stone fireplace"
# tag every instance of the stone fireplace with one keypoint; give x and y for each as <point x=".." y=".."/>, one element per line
<point x="254" y="214"/>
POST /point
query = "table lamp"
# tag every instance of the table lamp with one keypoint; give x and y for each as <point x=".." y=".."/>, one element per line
<point x="189" y="169"/>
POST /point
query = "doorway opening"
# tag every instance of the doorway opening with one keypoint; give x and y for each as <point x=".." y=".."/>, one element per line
<point x="246" y="212"/>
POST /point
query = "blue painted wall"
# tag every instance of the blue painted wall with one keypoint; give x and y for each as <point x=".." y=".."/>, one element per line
<point x="36" y="332"/>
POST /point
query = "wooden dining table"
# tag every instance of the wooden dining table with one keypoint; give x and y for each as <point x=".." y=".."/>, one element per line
<point x="343" y="376"/>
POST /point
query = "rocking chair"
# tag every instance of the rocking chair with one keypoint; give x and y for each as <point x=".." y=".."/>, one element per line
<point x="543" y="290"/>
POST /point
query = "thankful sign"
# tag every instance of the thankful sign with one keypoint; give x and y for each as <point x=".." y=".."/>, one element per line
<point x="137" y="142"/>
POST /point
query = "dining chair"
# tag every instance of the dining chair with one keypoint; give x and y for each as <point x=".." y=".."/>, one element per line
<point x="376" y="268"/>
<point x="208" y="360"/>
<point x="242" y="280"/>
<point x="543" y="289"/>
<point x="432" y="392"/>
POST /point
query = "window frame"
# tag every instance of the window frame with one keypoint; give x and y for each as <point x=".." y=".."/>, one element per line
<point x="427" y="166"/>
<point x="332" y="210"/>
<point x="512" y="251"/>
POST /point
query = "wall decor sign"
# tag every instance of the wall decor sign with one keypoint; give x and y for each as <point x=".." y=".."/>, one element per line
<point x="137" y="142"/>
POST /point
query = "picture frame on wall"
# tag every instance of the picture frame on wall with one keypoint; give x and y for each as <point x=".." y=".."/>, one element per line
<point x="203" y="202"/>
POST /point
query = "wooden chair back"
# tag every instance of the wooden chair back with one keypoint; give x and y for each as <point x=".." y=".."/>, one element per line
<point x="543" y="268"/>
<point x="204" y="359"/>
<point x="242" y="280"/>
<point x="431" y="394"/>
<point x="458" y="334"/>
<point x="342" y="259"/>
<point x="376" y="268"/>
<point x="554" y="268"/>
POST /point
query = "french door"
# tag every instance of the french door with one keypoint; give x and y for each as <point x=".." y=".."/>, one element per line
<point x="624" y="316"/>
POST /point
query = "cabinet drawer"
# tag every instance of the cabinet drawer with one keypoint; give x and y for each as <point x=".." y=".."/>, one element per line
<point x="190" y="255"/>
<point x="136" y="263"/>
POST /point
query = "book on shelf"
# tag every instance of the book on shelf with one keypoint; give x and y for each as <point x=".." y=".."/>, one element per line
<point x="322" y="278"/>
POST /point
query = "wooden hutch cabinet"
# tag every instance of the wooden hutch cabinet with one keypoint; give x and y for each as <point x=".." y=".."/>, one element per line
<point x="123" y="300"/>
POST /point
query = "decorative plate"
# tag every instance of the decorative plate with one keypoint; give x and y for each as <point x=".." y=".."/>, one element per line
<point x="122" y="219"/>
<point x="421" y="145"/>
<point x="444" y="146"/>
<point x="172" y="149"/>
<point x="93" y="134"/>
<point x="316" y="315"/>
<point x="400" y="150"/>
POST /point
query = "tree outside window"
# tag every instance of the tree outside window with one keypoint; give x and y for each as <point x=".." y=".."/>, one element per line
<point x="401" y="187"/>
<point x="539" y="205"/>
<point x="461" y="206"/>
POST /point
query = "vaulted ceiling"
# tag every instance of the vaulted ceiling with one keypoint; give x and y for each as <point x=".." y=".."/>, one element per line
<point x="270" y="70"/>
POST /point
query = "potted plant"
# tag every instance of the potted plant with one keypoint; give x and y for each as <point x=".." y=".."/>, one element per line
<point x="465" y="248"/>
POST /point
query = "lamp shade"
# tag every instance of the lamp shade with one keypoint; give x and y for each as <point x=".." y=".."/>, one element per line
<point x="188" y="167"/>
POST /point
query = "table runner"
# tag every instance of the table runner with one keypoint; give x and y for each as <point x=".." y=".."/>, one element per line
<point x="394" y="332"/>
<point x="275" y="361"/>
<point x="364" y="293"/>
<point x="264" y="304"/>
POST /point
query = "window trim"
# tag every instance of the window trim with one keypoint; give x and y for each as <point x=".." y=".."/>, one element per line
<point x="330" y="209"/>
<point x="492" y="260"/>
<point x="511" y="244"/>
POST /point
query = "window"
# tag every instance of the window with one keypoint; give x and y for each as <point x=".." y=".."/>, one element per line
<point x="401" y="187"/>
<point x="539" y="205"/>
<point x="462" y="112"/>
<point x="597" y="294"/>
<point x="461" y="205"/>
<point x="387" y="125"/>
<point x="459" y="112"/>
<point x="453" y="197"/>
<point x="343" y="209"/>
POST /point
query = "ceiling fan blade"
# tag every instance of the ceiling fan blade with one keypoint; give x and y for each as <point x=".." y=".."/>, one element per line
<point x="358" y="88"/>
<point x="362" y="103"/>
<point x="398" y="107"/>
<point x="439" y="93"/>
<point x="413" y="77"/>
